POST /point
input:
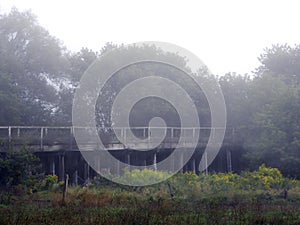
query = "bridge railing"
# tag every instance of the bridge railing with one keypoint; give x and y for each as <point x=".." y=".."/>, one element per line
<point x="43" y="137"/>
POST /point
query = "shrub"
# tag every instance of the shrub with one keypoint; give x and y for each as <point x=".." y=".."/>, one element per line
<point x="49" y="182"/>
<point x="19" y="168"/>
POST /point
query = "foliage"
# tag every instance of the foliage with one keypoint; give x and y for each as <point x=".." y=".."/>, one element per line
<point x="220" y="199"/>
<point x="140" y="177"/>
<point x="19" y="167"/>
<point x="49" y="181"/>
<point x="30" y="57"/>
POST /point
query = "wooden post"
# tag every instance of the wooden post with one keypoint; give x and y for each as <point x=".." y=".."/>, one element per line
<point x="65" y="188"/>
<point x="170" y="191"/>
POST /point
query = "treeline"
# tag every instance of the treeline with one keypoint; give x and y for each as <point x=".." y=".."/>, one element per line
<point x="38" y="77"/>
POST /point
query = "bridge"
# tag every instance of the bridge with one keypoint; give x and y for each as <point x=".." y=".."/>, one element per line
<point x="43" y="139"/>
<point x="59" y="152"/>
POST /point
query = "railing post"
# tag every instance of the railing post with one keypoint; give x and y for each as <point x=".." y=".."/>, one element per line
<point x="206" y="163"/>
<point x="9" y="134"/>
<point x="229" y="165"/>
<point x="154" y="162"/>
<point x="42" y="136"/>
<point x="149" y="136"/>
<point x="124" y="136"/>
<point x="71" y="138"/>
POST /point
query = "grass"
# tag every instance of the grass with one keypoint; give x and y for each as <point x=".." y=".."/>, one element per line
<point x="250" y="198"/>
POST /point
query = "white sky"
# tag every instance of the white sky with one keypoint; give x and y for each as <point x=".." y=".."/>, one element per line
<point x="227" y="35"/>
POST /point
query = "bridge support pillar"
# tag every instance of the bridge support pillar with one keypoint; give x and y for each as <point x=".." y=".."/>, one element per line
<point x="155" y="161"/>
<point x="193" y="162"/>
<point x="206" y="163"/>
<point x="86" y="172"/>
<point x="118" y="168"/>
<point x="128" y="160"/>
<point x="52" y="167"/>
<point x="181" y="161"/>
<point x="61" y="167"/>
<point x="75" y="178"/>
<point x="228" y="156"/>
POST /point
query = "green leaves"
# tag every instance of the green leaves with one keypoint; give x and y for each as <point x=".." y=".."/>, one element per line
<point x="19" y="167"/>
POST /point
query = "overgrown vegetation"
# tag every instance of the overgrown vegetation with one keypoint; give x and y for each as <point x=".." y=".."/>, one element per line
<point x="19" y="168"/>
<point x="263" y="196"/>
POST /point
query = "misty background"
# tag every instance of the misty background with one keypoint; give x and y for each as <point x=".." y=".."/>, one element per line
<point x="39" y="74"/>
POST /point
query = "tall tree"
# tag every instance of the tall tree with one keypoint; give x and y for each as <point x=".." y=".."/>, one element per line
<point x="33" y="60"/>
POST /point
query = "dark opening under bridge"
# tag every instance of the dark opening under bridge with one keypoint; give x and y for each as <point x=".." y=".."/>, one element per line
<point x="59" y="152"/>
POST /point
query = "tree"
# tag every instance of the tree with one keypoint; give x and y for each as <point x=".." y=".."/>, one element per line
<point x="275" y="97"/>
<point x="281" y="61"/>
<point x="9" y="101"/>
<point x="278" y="142"/>
<point x="33" y="61"/>
<point x="236" y="91"/>
<point x="150" y="107"/>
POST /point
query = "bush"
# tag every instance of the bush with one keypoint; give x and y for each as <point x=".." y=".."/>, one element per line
<point x="19" y="168"/>
<point x="49" y="181"/>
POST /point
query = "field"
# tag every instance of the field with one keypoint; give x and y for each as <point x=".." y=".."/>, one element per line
<point x="263" y="196"/>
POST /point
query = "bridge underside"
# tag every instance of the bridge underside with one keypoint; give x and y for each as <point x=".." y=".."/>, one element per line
<point x="74" y="164"/>
<point x="59" y="154"/>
